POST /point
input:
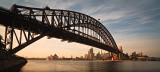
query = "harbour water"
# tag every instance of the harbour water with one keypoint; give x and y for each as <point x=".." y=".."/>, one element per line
<point x="91" y="66"/>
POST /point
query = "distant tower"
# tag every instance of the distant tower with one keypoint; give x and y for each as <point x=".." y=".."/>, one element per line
<point x="98" y="56"/>
<point x="90" y="54"/>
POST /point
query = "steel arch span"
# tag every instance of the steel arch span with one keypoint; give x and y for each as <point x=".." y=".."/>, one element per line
<point x="35" y="23"/>
<point x="76" y="22"/>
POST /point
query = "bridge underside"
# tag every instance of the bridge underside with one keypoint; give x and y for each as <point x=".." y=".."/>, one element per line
<point x="10" y="19"/>
<point x="32" y="26"/>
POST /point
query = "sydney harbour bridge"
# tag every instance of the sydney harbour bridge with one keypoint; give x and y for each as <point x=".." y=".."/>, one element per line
<point x="34" y="23"/>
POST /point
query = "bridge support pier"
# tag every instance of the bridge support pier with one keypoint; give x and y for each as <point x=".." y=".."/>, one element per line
<point x="115" y="56"/>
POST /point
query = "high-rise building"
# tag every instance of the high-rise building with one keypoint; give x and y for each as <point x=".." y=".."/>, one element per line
<point x="90" y="54"/>
<point x="102" y="56"/>
<point x="98" y="56"/>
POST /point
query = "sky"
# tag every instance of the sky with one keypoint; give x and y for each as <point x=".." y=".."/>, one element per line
<point x="134" y="25"/>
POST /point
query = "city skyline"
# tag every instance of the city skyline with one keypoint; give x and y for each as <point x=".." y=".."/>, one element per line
<point x="91" y="55"/>
<point x="133" y="24"/>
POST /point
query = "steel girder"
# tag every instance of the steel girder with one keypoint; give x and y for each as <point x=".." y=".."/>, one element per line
<point x="66" y="24"/>
<point x="70" y="21"/>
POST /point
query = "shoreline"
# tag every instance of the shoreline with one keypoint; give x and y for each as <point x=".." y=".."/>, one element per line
<point x="91" y="60"/>
<point x="11" y="63"/>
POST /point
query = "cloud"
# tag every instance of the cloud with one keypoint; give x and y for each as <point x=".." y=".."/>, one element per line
<point x="110" y="16"/>
<point x="57" y="4"/>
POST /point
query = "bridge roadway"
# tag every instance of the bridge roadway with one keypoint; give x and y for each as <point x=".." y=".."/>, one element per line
<point x="11" y="19"/>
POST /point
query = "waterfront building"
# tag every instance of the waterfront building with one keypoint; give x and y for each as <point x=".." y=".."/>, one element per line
<point x="102" y="57"/>
<point x="140" y="54"/>
<point x="94" y="58"/>
<point x="49" y="57"/>
<point x="127" y="54"/>
<point x="86" y="56"/>
<point x="81" y="57"/>
<point x="90" y="54"/>
<point x="98" y="56"/>
<point x="134" y="54"/>
<point x="55" y="57"/>
<point x="106" y="55"/>
<point x="77" y="58"/>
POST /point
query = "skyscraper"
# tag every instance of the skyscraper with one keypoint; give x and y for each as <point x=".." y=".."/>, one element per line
<point x="101" y="54"/>
<point x="90" y="54"/>
<point x="98" y="56"/>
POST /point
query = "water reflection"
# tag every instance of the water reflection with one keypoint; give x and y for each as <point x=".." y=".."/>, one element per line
<point x="90" y="66"/>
